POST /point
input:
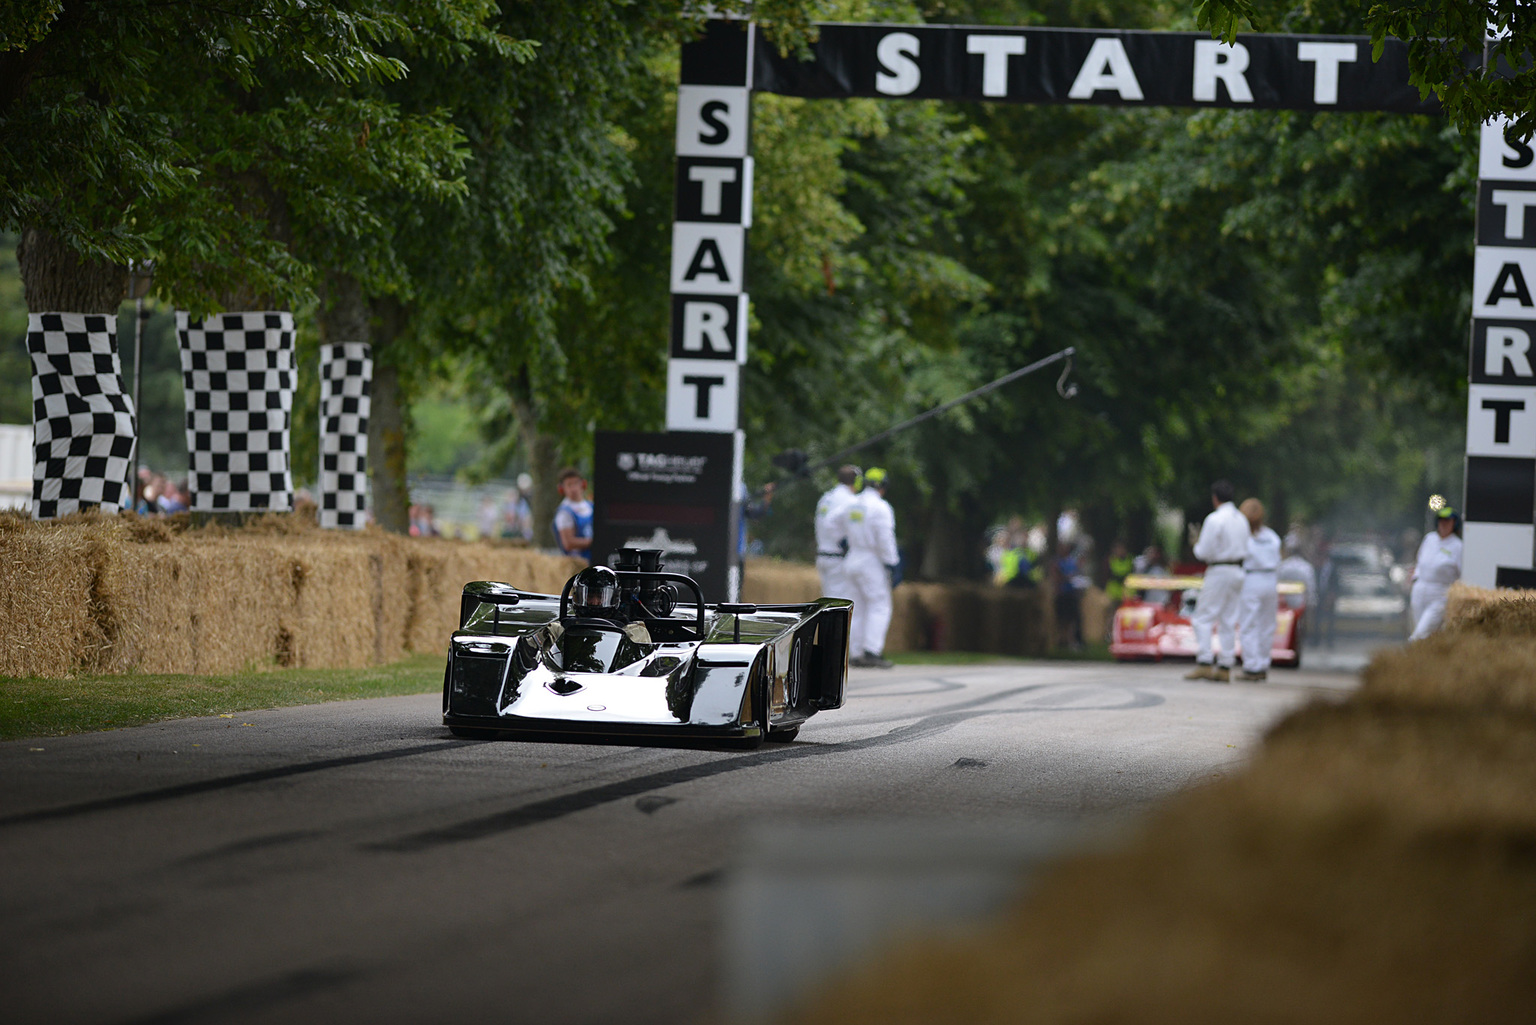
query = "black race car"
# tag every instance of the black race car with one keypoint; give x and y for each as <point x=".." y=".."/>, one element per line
<point x="635" y="652"/>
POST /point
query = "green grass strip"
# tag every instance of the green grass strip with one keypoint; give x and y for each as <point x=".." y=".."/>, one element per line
<point x="35" y="707"/>
<point x="950" y="658"/>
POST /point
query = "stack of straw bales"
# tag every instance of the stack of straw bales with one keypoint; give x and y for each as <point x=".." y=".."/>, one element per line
<point x="105" y="595"/>
<point x="1376" y="862"/>
<point x="92" y="594"/>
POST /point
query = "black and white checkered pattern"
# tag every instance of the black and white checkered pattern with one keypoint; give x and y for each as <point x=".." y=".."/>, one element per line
<point x="238" y="372"/>
<point x="83" y="424"/>
<point x="346" y="378"/>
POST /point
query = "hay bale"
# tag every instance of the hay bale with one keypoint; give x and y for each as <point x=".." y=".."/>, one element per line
<point x="1374" y="862"/>
<point x="979" y="617"/>
<point x="1425" y="771"/>
<point x="775" y="582"/>
<point x="1370" y="866"/>
<point x="97" y="594"/>
<point x="335" y="599"/>
<point x="1097" y="610"/>
<point x="62" y="597"/>
<point x="206" y="605"/>
<point x="102" y="595"/>
<point x="164" y="618"/>
<point x="441" y="568"/>
<point x="910" y="624"/>
<point x="1457" y="668"/>
<point x="1502" y="613"/>
<point x="391" y="574"/>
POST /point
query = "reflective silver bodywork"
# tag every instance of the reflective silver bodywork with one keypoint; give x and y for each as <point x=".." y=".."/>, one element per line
<point x="758" y="672"/>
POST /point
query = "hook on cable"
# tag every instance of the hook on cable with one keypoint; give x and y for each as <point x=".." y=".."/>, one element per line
<point x="1064" y="389"/>
<point x="798" y="465"/>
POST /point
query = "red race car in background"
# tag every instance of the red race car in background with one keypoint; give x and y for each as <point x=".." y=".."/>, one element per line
<point x="1153" y="622"/>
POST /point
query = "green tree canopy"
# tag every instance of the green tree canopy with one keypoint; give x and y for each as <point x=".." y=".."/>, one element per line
<point x="237" y="143"/>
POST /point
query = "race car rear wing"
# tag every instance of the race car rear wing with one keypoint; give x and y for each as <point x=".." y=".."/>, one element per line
<point x="1143" y="582"/>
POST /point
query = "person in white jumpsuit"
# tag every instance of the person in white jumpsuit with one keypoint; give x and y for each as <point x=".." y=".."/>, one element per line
<point x="1260" y="598"/>
<point x="1222" y="546"/>
<point x="832" y="534"/>
<point x="1437" y="568"/>
<point x="871" y="557"/>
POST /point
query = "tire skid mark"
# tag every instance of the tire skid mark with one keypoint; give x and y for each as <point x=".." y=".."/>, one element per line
<point x="553" y="808"/>
<point x="542" y="810"/>
<point x="204" y="786"/>
<point x="253" y="996"/>
<point x="240" y="779"/>
<point x="935" y="685"/>
<point x="558" y="807"/>
<point x="1045" y="702"/>
<point x="248" y="846"/>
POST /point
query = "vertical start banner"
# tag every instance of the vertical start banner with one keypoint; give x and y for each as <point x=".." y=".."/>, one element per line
<point x="712" y="212"/>
<point x="643" y="500"/>
<point x="1499" y="507"/>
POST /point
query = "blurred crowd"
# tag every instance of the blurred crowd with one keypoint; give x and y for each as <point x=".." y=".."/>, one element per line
<point x="1020" y="555"/>
<point x="511" y="515"/>
<point x="155" y="494"/>
<point x="423" y="521"/>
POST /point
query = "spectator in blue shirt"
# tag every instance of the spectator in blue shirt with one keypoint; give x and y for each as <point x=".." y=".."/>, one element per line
<point x="573" y="516"/>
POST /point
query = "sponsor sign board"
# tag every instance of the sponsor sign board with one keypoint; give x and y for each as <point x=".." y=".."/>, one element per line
<point x="671" y="491"/>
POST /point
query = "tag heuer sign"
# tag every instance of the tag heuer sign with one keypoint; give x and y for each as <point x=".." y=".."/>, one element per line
<point x="661" y="467"/>
<point x="670" y="491"/>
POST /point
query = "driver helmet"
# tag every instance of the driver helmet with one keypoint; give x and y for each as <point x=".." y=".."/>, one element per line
<point x="596" y="588"/>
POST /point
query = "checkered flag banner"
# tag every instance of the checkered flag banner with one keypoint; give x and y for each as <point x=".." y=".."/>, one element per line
<point x="238" y="372"/>
<point x="346" y="375"/>
<point x="83" y="427"/>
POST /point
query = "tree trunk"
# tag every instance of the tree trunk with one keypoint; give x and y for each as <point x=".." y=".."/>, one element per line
<point x="542" y="449"/>
<point x="1278" y="515"/>
<point x="56" y="279"/>
<point x="344" y="311"/>
<point x="944" y="555"/>
<point x="388" y="420"/>
<point x="386" y="450"/>
<point x="255" y="199"/>
<point x="1139" y="527"/>
<point x="1194" y="515"/>
<point x="1101" y="522"/>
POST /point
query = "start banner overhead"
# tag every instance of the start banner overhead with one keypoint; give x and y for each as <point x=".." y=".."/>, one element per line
<point x="730" y="60"/>
<point x="733" y="59"/>
<point x="1056" y="65"/>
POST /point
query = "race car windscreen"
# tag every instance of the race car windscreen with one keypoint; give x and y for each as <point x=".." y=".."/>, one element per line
<point x="492" y="618"/>
<point x="589" y="650"/>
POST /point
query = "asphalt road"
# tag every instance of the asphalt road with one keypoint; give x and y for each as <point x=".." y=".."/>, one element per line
<point x="352" y="862"/>
<point x="1352" y="644"/>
